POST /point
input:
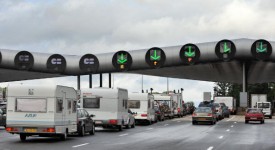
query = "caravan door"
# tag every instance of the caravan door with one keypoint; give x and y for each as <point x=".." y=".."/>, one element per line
<point x="64" y="110"/>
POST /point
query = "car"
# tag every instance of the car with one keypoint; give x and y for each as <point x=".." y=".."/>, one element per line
<point x="160" y="114"/>
<point x="85" y="123"/>
<point x="3" y="106"/>
<point x="226" y="111"/>
<point x="204" y="114"/>
<point x="219" y="111"/>
<point x="2" y="118"/>
<point x="209" y="104"/>
<point x="254" y="114"/>
<point x="131" y="120"/>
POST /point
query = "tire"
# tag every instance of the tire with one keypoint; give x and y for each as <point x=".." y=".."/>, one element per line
<point x="119" y="128"/>
<point x="270" y="117"/>
<point x="133" y="125"/>
<point x="92" y="132"/>
<point x="63" y="137"/>
<point x="23" y="137"/>
<point x="81" y="132"/>
<point x="194" y="123"/>
<point x="246" y="121"/>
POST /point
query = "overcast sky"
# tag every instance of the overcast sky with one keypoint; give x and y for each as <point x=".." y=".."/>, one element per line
<point x="97" y="26"/>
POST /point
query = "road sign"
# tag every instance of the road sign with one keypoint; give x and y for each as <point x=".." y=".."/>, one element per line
<point x="189" y="54"/>
<point x="225" y="50"/>
<point x="261" y="49"/>
<point x="155" y="57"/>
<point x="56" y="63"/>
<point x="24" y="60"/>
<point x="89" y="63"/>
<point x="122" y="61"/>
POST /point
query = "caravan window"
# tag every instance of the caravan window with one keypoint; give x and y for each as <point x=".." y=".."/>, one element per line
<point x="69" y="104"/>
<point x="74" y="106"/>
<point x="59" y="105"/>
<point x="149" y="103"/>
<point x="134" y="104"/>
<point x="31" y="105"/>
<point x="91" y="102"/>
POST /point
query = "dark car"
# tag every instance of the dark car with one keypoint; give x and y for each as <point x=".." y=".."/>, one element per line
<point x="2" y="118"/>
<point x="85" y="123"/>
<point x="160" y="115"/>
<point x="3" y="106"/>
<point x="226" y="111"/>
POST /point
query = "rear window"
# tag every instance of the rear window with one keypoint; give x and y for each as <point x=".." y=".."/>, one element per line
<point x="254" y="111"/>
<point x="203" y="110"/>
<point x="91" y="102"/>
<point x="263" y="105"/>
<point x="31" y="105"/>
<point x="134" y="104"/>
<point x="205" y="104"/>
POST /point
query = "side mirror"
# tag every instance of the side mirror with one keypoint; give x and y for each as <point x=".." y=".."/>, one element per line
<point x="92" y="115"/>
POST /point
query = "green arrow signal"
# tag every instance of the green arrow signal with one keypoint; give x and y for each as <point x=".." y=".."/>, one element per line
<point x="225" y="48"/>
<point x="122" y="60"/>
<point x="155" y="57"/>
<point x="190" y="53"/>
<point x="261" y="49"/>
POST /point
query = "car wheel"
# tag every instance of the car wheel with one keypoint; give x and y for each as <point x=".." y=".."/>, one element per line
<point x="194" y="123"/>
<point x="270" y="117"/>
<point x="23" y="137"/>
<point x="63" y="137"/>
<point x="81" y="132"/>
<point x="246" y="121"/>
<point x="92" y="132"/>
<point x="133" y="125"/>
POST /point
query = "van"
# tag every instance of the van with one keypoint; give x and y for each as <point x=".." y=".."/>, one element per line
<point x="142" y="106"/>
<point x="41" y="110"/>
<point x="266" y="106"/>
<point x="108" y="105"/>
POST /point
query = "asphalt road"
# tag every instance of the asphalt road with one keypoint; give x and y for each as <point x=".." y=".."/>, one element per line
<point x="176" y="134"/>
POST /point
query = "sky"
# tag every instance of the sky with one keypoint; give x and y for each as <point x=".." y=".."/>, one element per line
<point x="98" y="26"/>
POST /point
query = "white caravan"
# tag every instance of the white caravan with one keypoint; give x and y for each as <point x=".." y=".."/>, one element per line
<point x="266" y="106"/>
<point x="108" y="105"/>
<point x="142" y="105"/>
<point x="177" y="104"/>
<point x="41" y="110"/>
<point x="165" y="100"/>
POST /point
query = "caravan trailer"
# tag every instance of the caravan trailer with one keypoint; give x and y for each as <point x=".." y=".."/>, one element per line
<point x="177" y="104"/>
<point x="108" y="105"/>
<point x="165" y="101"/>
<point x="142" y="104"/>
<point x="41" y="110"/>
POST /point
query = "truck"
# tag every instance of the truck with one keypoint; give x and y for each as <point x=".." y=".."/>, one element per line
<point x="257" y="98"/>
<point x="166" y="104"/>
<point x="229" y="101"/>
<point x="48" y="111"/>
<point x="109" y="105"/>
<point x="177" y="103"/>
<point x="142" y="106"/>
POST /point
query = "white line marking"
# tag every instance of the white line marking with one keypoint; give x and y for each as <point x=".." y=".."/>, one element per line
<point x="166" y="125"/>
<point x="80" y="145"/>
<point x="124" y="134"/>
<point x="179" y="121"/>
<point x="232" y="126"/>
<point x="228" y="130"/>
<point x="150" y="128"/>
<point x="235" y="122"/>
<point x="221" y="137"/>
<point x="210" y="148"/>
<point x="230" y="118"/>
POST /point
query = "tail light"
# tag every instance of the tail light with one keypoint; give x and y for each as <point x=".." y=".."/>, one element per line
<point x="143" y="115"/>
<point x="9" y="129"/>
<point x="114" y="122"/>
<point x="178" y="109"/>
<point x="51" y="130"/>
<point x="210" y="115"/>
<point x="194" y="114"/>
<point x="158" y="112"/>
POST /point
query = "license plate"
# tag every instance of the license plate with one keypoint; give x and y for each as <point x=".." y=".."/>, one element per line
<point x="30" y="130"/>
<point x="253" y="118"/>
<point x="98" y="122"/>
<point x="202" y="119"/>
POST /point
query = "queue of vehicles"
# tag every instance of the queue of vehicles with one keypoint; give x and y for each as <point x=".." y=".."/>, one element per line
<point x="58" y="111"/>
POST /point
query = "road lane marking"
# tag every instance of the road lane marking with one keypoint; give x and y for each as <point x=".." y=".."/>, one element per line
<point x="80" y="145"/>
<point x="228" y="130"/>
<point x="124" y="134"/>
<point x="230" y="118"/>
<point x="235" y="122"/>
<point x="210" y="148"/>
<point x="221" y="137"/>
<point x="150" y="128"/>
<point x="166" y="125"/>
<point x="179" y="121"/>
<point x="232" y="126"/>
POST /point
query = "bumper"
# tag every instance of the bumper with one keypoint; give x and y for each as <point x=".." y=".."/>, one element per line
<point x="254" y="118"/>
<point x="202" y="119"/>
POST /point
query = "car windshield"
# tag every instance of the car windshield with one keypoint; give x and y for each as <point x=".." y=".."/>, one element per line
<point x="216" y="104"/>
<point x="206" y="104"/>
<point x="252" y="111"/>
<point x="263" y="105"/>
<point x="203" y="110"/>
